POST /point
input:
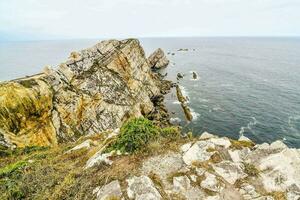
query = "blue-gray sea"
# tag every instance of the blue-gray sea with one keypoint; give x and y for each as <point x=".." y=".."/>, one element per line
<point x="245" y="86"/>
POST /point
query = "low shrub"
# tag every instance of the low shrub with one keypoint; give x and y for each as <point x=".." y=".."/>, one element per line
<point x="171" y="132"/>
<point x="7" y="170"/>
<point x="250" y="169"/>
<point x="134" y="135"/>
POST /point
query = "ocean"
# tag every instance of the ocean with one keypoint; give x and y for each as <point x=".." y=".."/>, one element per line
<point x="245" y="86"/>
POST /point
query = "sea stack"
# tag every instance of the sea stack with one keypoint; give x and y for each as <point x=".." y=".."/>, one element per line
<point x="158" y="59"/>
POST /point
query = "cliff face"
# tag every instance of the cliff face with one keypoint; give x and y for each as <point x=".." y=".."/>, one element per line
<point x="95" y="90"/>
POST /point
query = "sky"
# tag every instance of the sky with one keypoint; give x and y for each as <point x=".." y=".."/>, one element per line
<point x="83" y="19"/>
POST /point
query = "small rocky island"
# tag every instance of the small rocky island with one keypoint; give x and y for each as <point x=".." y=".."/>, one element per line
<point x="96" y="127"/>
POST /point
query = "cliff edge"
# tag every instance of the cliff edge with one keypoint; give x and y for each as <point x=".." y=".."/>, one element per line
<point x="95" y="90"/>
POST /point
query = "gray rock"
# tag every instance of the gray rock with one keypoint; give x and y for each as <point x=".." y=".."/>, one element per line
<point x="205" y="135"/>
<point x="230" y="193"/>
<point x="113" y="189"/>
<point x="142" y="188"/>
<point x="182" y="184"/>
<point x="84" y="145"/>
<point x="184" y="148"/>
<point x="158" y="59"/>
<point x="99" y="158"/>
<point x="198" y="152"/>
<point x="94" y="91"/>
<point x="229" y="171"/>
<point x="211" y="183"/>
<point x="223" y="142"/>
<point x="280" y="170"/>
<point x="163" y="165"/>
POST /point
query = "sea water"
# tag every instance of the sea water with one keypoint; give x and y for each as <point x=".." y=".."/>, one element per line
<point x="245" y="86"/>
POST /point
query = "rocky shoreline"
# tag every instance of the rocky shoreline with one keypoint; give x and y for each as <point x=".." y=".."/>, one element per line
<point x="79" y="109"/>
<point x="213" y="168"/>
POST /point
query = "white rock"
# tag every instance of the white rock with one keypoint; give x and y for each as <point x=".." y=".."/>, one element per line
<point x="198" y="152"/>
<point x="229" y="171"/>
<point x="244" y="139"/>
<point x="193" y="178"/>
<point x="210" y="183"/>
<point x="113" y="189"/>
<point x="181" y="183"/>
<point x="84" y="145"/>
<point x="248" y="192"/>
<point x="216" y="197"/>
<point x="278" y="145"/>
<point x="230" y="193"/>
<point x="163" y="165"/>
<point x="206" y="135"/>
<point x="224" y="142"/>
<point x="200" y="171"/>
<point x="262" y="146"/>
<point x="99" y="158"/>
<point x="183" y="186"/>
<point x="142" y="188"/>
<point x="184" y="148"/>
<point x="280" y="170"/>
<point x="238" y="155"/>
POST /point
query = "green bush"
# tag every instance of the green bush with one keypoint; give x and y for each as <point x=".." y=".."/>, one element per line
<point x="171" y="132"/>
<point x="12" y="190"/>
<point x="134" y="135"/>
<point x="7" y="170"/>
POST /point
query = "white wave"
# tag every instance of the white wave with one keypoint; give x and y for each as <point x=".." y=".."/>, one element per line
<point x="175" y="120"/>
<point x="217" y="108"/>
<point x="194" y="114"/>
<point x="249" y="126"/>
<point x="203" y="100"/>
<point x="175" y="102"/>
<point x="183" y="91"/>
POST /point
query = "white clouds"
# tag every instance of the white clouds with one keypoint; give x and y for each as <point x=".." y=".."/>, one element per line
<point x="124" y="18"/>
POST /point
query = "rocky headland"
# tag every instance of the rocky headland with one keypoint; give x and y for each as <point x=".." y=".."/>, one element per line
<point x="95" y="90"/>
<point x="96" y="127"/>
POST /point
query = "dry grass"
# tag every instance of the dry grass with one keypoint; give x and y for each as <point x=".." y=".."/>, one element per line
<point x="250" y="169"/>
<point x="241" y="144"/>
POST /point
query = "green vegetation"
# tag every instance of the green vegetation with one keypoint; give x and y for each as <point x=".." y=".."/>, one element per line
<point x="21" y="151"/>
<point x="250" y="169"/>
<point x="7" y="170"/>
<point x="241" y="144"/>
<point x="170" y="132"/>
<point x="134" y="135"/>
<point x="51" y="173"/>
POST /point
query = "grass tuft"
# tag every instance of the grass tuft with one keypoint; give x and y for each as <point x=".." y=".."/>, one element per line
<point x="135" y="135"/>
<point x="250" y="169"/>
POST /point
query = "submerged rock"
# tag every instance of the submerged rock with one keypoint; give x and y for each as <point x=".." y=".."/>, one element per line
<point x="158" y="59"/>
<point x="179" y="76"/>
<point x="183" y="102"/>
<point x="95" y="90"/>
<point x="195" y="76"/>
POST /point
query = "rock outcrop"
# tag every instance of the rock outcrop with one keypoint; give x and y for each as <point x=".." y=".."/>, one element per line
<point x="158" y="59"/>
<point x="94" y="91"/>
<point x="207" y="168"/>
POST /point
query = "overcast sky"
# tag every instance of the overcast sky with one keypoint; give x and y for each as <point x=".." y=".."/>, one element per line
<point x="61" y="19"/>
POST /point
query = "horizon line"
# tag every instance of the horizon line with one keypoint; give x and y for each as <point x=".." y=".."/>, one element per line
<point x="149" y="37"/>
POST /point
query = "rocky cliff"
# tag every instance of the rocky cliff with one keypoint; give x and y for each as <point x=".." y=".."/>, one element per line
<point x="95" y="90"/>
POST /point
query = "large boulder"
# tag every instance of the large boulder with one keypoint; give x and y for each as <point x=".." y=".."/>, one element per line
<point x="94" y="91"/>
<point x="158" y="59"/>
